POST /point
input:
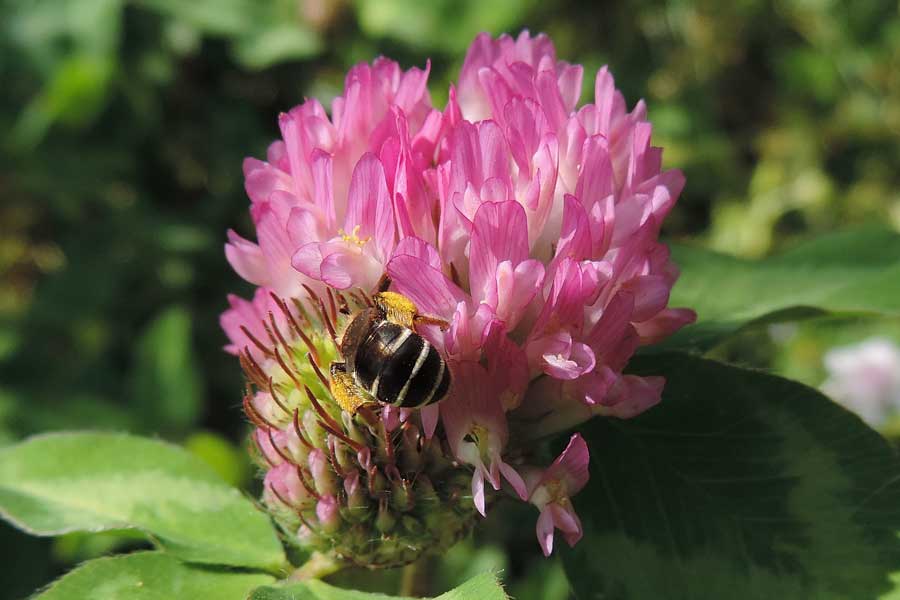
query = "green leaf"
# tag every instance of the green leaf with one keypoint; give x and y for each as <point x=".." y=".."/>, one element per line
<point x="481" y="587"/>
<point x="57" y="483"/>
<point x="150" y="576"/>
<point x="166" y="383"/>
<point x="738" y="485"/>
<point x="851" y="272"/>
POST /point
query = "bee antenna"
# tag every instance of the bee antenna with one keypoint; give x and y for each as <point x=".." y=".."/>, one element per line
<point x="342" y="301"/>
<point x="384" y="283"/>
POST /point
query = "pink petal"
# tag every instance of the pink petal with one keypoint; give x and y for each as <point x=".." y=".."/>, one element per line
<point x="610" y="102"/>
<point x="323" y="193"/>
<point x="575" y="237"/>
<point x="432" y="292"/>
<point x="429" y="415"/>
<point x="545" y="530"/>
<point x="639" y="165"/>
<point x="247" y="259"/>
<point x="478" y="491"/>
<point x="664" y="324"/>
<point x="308" y="260"/>
<point x="327" y="510"/>
<point x="632" y="396"/>
<point x="291" y="130"/>
<point x="304" y="226"/>
<point x="602" y="217"/>
<point x="494" y="151"/>
<point x="566" y="521"/>
<point x="500" y="232"/>
<point x="369" y="206"/>
<point x="261" y="179"/>
<point x="276" y="246"/>
<point x="416" y="247"/>
<point x="570" y="79"/>
<point x="348" y="267"/>
<point x="515" y="289"/>
<point x="551" y="101"/>
<point x="596" y="180"/>
<point x="597" y="383"/>
<point x="469" y="331"/>
<point x="613" y="323"/>
<point x="465" y="163"/>
<point x="390" y="415"/>
<point x="515" y="480"/>
<point x="651" y="294"/>
<point x="569" y="361"/>
<point x="571" y="466"/>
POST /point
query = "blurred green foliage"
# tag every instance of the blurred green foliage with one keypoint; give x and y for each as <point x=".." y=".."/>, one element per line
<point x="123" y="124"/>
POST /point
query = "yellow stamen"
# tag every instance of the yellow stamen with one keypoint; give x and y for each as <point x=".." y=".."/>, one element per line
<point x="353" y="237"/>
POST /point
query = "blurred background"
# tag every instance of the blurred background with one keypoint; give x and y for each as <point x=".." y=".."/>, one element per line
<point x="123" y="124"/>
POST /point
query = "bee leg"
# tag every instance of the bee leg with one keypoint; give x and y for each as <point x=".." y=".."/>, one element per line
<point x="344" y="389"/>
<point x="396" y="308"/>
<point x="425" y="320"/>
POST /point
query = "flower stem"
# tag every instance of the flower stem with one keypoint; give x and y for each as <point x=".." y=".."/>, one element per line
<point x="414" y="581"/>
<point x="318" y="566"/>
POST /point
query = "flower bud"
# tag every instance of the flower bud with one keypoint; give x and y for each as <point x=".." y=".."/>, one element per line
<point x="401" y="496"/>
<point x="386" y="519"/>
<point x="328" y="513"/>
<point x="323" y="477"/>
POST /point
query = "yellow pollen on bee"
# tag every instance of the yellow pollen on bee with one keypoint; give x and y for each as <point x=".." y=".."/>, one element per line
<point x="398" y="308"/>
<point x="353" y="237"/>
<point x="343" y="390"/>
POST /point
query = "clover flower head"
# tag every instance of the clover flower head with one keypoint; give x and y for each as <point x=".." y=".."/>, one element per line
<point x="527" y="224"/>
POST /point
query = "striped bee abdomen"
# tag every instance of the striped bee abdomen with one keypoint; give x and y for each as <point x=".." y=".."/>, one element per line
<point x="399" y="367"/>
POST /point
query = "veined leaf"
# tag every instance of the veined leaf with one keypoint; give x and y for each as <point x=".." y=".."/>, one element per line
<point x="57" y="483"/>
<point x="855" y="272"/>
<point x="480" y="587"/>
<point x="150" y="576"/>
<point x="738" y="485"/>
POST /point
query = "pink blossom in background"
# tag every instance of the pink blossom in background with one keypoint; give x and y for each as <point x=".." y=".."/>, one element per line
<point x="865" y="377"/>
<point x="528" y="223"/>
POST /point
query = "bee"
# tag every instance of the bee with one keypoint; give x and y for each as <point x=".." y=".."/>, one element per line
<point x="386" y="360"/>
